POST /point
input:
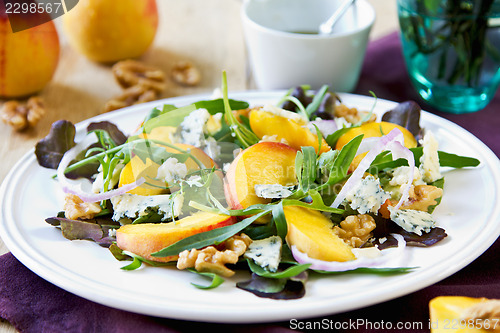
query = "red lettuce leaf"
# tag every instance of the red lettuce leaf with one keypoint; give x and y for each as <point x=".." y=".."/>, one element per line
<point x="50" y="150"/>
<point x="406" y="114"/>
<point x="96" y="230"/>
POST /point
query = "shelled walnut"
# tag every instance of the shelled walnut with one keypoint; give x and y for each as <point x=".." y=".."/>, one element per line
<point x="356" y="230"/>
<point x="23" y="115"/>
<point x="186" y="73"/>
<point x="214" y="260"/>
<point x="353" y="115"/>
<point x="131" y="96"/>
<point x="75" y="208"/>
<point x="141" y="83"/>
<point x="129" y="73"/>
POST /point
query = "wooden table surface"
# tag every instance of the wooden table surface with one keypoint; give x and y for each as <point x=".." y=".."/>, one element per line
<point x="207" y="33"/>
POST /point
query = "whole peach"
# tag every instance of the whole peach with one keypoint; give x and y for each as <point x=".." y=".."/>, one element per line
<point x="110" y="30"/>
<point x="28" y="58"/>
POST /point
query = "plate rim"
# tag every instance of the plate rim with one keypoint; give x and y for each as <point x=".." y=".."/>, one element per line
<point x="27" y="260"/>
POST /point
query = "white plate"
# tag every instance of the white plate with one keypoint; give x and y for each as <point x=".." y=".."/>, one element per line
<point x="468" y="213"/>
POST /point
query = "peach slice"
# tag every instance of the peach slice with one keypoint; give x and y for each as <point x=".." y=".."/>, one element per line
<point x="146" y="238"/>
<point x="376" y="129"/>
<point x="262" y="163"/>
<point x="311" y="232"/>
<point x="160" y="133"/>
<point x="206" y="160"/>
<point x="292" y="129"/>
<point x="136" y="169"/>
<point x="370" y="130"/>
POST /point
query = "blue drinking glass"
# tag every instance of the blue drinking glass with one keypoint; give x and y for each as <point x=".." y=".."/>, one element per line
<point x="452" y="51"/>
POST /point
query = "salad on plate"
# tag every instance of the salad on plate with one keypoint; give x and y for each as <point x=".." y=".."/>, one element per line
<point x="301" y="186"/>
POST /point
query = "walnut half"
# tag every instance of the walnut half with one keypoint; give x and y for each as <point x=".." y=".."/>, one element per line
<point x="213" y="260"/>
<point x="355" y="230"/>
<point x="23" y="115"/>
<point x="131" y="96"/>
<point x="186" y="73"/>
<point x="484" y="315"/>
<point x="75" y="208"/>
<point x="129" y="73"/>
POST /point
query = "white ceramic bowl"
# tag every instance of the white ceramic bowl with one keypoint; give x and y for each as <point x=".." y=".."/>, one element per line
<point x="281" y="58"/>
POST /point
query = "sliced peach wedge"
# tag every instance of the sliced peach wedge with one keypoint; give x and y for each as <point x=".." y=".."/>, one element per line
<point x="260" y="164"/>
<point x="285" y="125"/>
<point x="311" y="232"/>
<point x="136" y="168"/>
<point x="370" y="130"/>
<point x="146" y="238"/>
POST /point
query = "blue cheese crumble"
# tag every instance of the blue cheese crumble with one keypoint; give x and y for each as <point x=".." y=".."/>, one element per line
<point x="411" y="220"/>
<point x="265" y="252"/>
<point x="193" y="128"/>
<point x="132" y="206"/>
<point x="399" y="179"/>
<point x="273" y="191"/>
<point x="171" y="171"/>
<point x="429" y="161"/>
<point x="367" y="196"/>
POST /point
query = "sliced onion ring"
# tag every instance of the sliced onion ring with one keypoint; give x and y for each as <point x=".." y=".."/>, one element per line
<point x="70" y="187"/>
<point x="342" y="266"/>
<point x="392" y="142"/>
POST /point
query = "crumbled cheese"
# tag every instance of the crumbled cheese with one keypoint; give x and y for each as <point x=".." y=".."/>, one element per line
<point x="133" y="206"/>
<point x="285" y="114"/>
<point x="225" y="167"/>
<point x="411" y="220"/>
<point x="400" y="176"/>
<point x="429" y="162"/>
<point x="193" y="128"/>
<point x="98" y="184"/>
<point x="399" y="179"/>
<point x="172" y="171"/>
<point x="367" y="195"/>
<point x="366" y="252"/>
<point x="111" y="233"/>
<point x="266" y="252"/>
<point x="273" y="191"/>
<point x="212" y="148"/>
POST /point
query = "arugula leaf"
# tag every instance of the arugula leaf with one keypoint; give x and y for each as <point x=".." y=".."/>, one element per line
<point x="207" y="238"/>
<point x="216" y="280"/>
<point x="217" y="105"/>
<point x="385" y="161"/>
<point x="135" y="264"/>
<point x="372" y="270"/>
<point x="335" y="136"/>
<point x="172" y="118"/>
<point x="280" y="220"/>
<point x="291" y="271"/>
<point x="316" y="102"/>
<point x="243" y="134"/>
<point x="343" y="160"/>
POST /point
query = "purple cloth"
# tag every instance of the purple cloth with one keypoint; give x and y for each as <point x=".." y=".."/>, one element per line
<point x="32" y="304"/>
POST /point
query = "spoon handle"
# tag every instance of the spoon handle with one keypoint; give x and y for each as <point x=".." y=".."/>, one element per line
<point x="327" y="26"/>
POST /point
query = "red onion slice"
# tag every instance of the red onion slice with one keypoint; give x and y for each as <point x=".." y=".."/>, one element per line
<point x="392" y="142"/>
<point x="75" y="188"/>
<point x="338" y="266"/>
